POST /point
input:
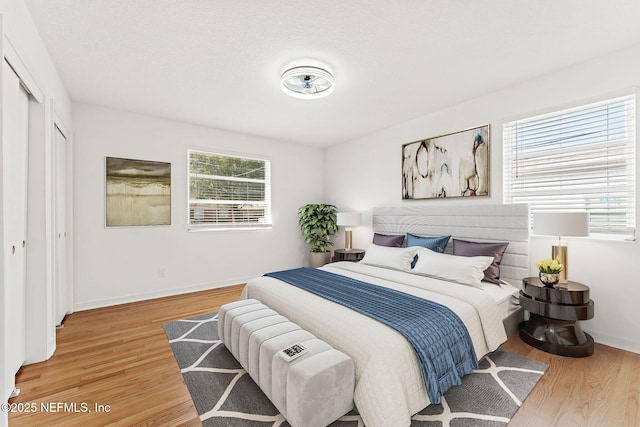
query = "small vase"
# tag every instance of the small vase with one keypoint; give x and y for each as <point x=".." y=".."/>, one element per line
<point x="549" y="279"/>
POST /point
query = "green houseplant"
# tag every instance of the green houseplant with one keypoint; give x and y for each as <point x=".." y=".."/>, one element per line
<point x="318" y="224"/>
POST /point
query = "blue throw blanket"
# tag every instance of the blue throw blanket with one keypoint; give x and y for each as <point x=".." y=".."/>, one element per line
<point x="438" y="336"/>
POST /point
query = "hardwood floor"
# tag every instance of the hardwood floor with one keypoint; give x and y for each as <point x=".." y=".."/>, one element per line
<point x="119" y="357"/>
<point x="601" y="390"/>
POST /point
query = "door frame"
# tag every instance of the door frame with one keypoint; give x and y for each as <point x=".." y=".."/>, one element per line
<point x="58" y="124"/>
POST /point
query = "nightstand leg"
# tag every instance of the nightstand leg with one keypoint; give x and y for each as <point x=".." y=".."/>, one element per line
<point x="563" y="337"/>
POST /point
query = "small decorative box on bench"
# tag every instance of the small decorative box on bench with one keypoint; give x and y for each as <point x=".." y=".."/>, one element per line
<point x="311" y="383"/>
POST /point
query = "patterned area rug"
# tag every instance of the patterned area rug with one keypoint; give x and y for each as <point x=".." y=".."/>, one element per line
<point x="225" y="395"/>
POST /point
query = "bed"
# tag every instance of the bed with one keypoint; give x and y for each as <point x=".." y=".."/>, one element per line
<point x="389" y="383"/>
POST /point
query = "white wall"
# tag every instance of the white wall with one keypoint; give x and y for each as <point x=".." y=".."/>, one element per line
<point x="118" y="265"/>
<point x="367" y="172"/>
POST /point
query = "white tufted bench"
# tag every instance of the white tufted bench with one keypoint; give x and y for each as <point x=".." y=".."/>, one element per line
<point x="311" y="391"/>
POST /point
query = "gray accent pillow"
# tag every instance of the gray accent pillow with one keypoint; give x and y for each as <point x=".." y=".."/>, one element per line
<point x="496" y="250"/>
<point x="392" y="241"/>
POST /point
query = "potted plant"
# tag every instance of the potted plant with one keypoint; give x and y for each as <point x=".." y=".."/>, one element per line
<point x="549" y="271"/>
<point x="318" y="224"/>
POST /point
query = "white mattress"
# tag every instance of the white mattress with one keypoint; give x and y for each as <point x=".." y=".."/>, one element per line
<point x="503" y="295"/>
<point x="389" y="384"/>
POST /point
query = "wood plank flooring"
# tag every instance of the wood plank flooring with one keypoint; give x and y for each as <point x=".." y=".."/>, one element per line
<point x="119" y="357"/>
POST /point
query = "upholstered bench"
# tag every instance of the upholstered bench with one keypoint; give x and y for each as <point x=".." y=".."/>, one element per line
<point x="312" y="390"/>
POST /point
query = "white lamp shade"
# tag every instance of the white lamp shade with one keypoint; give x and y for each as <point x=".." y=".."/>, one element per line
<point x="571" y="224"/>
<point x="349" y="219"/>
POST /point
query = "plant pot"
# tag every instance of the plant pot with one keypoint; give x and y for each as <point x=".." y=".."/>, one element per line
<point x="549" y="279"/>
<point x="318" y="259"/>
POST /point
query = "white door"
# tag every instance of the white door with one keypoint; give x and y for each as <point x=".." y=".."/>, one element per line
<point x="60" y="201"/>
<point x="15" y="103"/>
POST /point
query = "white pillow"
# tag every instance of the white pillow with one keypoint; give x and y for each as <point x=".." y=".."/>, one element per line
<point x="460" y="269"/>
<point x="384" y="256"/>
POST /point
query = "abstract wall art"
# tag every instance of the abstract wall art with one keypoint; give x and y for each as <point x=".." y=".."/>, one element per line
<point x="138" y="192"/>
<point x="452" y="165"/>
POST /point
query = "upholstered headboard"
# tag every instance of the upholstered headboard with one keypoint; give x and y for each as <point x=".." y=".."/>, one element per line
<point x="480" y="223"/>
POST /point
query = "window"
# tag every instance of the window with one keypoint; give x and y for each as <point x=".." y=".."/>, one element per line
<point x="228" y="191"/>
<point x="578" y="159"/>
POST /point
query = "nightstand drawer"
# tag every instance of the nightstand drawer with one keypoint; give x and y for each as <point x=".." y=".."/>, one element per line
<point x="562" y="293"/>
<point x="353" y="255"/>
<point x="557" y="311"/>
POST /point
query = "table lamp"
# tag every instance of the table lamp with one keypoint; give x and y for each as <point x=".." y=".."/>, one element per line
<point x="348" y="219"/>
<point x="568" y="224"/>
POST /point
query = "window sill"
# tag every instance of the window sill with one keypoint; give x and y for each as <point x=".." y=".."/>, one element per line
<point x="593" y="237"/>
<point x="198" y="229"/>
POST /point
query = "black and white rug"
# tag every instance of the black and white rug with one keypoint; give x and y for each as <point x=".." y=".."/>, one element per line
<point x="225" y="395"/>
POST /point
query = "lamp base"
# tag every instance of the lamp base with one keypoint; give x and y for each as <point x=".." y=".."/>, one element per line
<point x="348" y="239"/>
<point x="560" y="251"/>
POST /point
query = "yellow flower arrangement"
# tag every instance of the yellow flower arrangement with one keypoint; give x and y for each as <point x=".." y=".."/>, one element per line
<point x="550" y="266"/>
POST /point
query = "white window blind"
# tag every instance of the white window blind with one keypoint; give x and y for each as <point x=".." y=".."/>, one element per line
<point x="578" y="159"/>
<point x="227" y="191"/>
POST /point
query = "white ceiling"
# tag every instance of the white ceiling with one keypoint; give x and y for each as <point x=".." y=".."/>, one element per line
<point x="218" y="62"/>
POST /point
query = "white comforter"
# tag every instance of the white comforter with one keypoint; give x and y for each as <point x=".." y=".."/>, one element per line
<point x="389" y="384"/>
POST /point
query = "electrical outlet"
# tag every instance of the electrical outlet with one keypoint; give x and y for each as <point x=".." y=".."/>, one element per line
<point x="161" y="273"/>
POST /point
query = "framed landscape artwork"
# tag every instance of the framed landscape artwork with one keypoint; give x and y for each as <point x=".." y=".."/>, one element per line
<point x="452" y="165"/>
<point x="138" y="192"/>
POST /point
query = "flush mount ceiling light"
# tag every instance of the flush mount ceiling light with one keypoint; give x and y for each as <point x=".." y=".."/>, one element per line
<point x="307" y="82"/>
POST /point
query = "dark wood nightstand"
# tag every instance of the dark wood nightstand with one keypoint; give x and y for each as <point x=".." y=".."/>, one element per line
<point x="347" y="255"/>
<point x="555" y="311"/>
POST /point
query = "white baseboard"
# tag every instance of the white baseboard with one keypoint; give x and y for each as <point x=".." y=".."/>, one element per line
<point x="617" y="342"/>
<point x="159" y="294"/>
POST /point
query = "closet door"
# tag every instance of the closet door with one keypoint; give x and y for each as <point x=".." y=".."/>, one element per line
<point x="60" y="200"/>
<point x="14" y="192"/>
